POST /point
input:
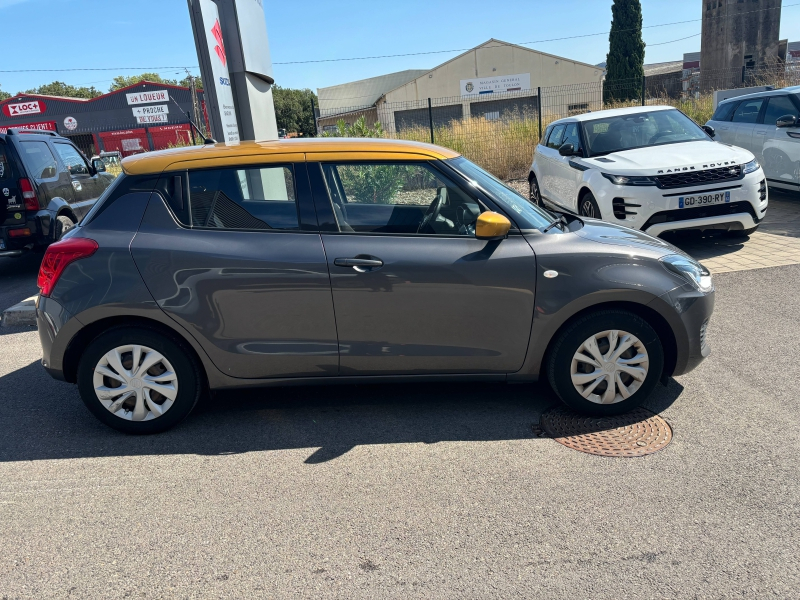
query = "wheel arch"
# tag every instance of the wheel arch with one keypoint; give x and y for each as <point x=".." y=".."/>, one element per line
<point x="651" y="316"/>
<point x="78" y="344"/>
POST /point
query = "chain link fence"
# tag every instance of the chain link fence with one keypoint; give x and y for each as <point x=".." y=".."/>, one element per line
<point x="499" y="131"/>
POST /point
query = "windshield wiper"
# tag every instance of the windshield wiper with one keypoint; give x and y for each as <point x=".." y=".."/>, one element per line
<point x="559" y="220"/>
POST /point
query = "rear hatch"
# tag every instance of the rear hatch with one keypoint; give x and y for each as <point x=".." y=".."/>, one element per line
<point x="12" y="209"/>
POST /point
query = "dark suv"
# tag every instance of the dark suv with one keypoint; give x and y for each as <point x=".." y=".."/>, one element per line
<point x="46" y="186"/>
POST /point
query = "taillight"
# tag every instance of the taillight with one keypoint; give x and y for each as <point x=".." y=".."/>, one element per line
<point x="58" y="256"/>
<point x="28" y="194"/>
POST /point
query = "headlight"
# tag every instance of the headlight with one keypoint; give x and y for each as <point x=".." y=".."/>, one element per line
<point x="751" y="167"/>
<point x="689" y="269"/>
<point x="628" y="179"/>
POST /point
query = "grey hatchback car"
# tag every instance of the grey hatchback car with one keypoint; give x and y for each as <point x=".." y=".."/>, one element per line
<point x="333" y="260"/>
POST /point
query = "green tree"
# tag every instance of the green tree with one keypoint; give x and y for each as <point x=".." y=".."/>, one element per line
<point x="4" y="95"/>
<point x="59" y="88"/>
<point x="293" y="110"/>
<point x="123" y="81"/>
<point x="625" y="60"/>
<point x="187" y="82"/>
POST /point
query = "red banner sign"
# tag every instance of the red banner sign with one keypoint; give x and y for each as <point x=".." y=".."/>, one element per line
<point x="46" y="126"/>
<point x="20" y="109"/>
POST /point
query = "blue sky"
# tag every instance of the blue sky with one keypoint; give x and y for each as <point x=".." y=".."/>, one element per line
<point x="154" y="33"/>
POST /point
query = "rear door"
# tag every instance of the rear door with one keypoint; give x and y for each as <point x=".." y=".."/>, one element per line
<point x="550" y="156"/>
<point x="86" y="187"/>
<point x="744" y="121"/>
<point x="778" y="148"/>
<point x="566" y="177"/>
<point x="238" y="261"/>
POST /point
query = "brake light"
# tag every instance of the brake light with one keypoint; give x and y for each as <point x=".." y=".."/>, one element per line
<point x="58" y="256"/>
<point x="28" y="194"/>
<point x="26" y="232"/>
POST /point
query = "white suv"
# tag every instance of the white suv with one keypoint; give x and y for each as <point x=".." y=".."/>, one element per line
<point x="767" y="124"/>
<point x="650" y="168"/>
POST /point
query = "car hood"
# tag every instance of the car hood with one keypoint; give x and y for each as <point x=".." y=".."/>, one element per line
<point x="669" y="158"/>
<point x="627" y="240"/>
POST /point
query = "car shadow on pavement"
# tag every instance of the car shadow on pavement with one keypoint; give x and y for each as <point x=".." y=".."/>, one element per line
<point x="43" y="419"/>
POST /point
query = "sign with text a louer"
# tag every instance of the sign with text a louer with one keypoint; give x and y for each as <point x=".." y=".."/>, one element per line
<point x="221" y="80"/>
<point x="158" y="113"/>
<point x="148" y="97"/>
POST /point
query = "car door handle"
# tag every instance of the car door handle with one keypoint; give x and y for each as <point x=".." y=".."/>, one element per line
<point x="358" y="262"/>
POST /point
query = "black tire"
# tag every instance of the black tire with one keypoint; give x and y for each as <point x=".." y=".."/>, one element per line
<point x="587" y="206"/>
<point x="189" y="377"/>
<point x="740" y="233"/>
<point x="63" y="225"/>
<point x="534" y="193"/>
<point x="560" y="355"/>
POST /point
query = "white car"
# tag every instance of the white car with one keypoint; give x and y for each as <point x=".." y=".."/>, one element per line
<point x="650" y="168"/>
<point x="767" y="124"/>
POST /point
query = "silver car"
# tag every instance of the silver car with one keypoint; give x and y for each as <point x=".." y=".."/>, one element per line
<point x="768" y="125"/>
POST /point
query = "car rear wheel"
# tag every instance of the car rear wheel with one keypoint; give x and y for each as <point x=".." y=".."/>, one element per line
<point x="587" y="206"/>
<point x="138" y="381"/>
<point x="63" y="225"/>
<point x="535" y="194"/>
<point x="606" y="363"/>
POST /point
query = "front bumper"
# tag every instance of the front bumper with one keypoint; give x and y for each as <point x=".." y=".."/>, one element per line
<point x="691" y="313"/>
<point x="655" y="210"/>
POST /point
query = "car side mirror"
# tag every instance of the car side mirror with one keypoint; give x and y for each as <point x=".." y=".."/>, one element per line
<point x="786" y="121"/>
<point x="710" y="130"/>
<point x="491" y="226"/>
<point x="99" y="165"/>
<point x="567" y="150"/>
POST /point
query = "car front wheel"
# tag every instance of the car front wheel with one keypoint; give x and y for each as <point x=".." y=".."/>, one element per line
<point x="606" y="363"/>
<point x="587" y="206"/>
<point x="138" y="381"/>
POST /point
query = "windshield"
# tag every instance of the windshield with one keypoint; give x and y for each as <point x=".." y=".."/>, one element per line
<point x="527" y="215"/>
<point x="640" y="129"/>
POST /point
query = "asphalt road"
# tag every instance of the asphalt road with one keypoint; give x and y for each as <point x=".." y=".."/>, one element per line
<point x="416" y="491"/>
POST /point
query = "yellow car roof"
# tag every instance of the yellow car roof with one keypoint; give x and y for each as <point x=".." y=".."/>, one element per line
<point x="219" y="155"/>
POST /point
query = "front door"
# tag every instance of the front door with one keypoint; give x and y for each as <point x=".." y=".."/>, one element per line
<point x="413" y="290"/>
<point x="240" y="264"/>
<point x="567" y="177"/>
<point x="778" y="148"/>
<point x="86" y="187"/>
<point x="744" y="121"/>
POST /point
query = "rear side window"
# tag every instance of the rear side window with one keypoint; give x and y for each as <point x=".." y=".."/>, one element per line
<point x="724" y="111"/>
<point x="72" y="159"/>
<point x="39" y="160"/>
<point x="777" y="107"/>
<point x="122" y="185"/>
<point x="554" y="141"/>
<point x="747" y="111"/>
<point x="6" y="173"/>
<point x="247" y="198"/>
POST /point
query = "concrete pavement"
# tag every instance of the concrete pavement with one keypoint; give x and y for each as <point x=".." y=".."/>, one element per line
<point x="416" y="491"/>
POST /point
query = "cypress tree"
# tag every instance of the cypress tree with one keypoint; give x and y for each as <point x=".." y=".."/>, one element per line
<point x="625" y="60"/>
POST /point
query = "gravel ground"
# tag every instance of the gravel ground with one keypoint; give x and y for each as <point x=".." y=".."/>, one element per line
<point x="415" y="491"/>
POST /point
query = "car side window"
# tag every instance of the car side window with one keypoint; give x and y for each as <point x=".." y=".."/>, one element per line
<point x="554" y="141"/>
<point x="72" y="159"/>
<point x="39" y="160"/>
<point x="246" y="198"/>
<point x="724" y="111"/>
<point x="571" y="136"/>
<point x="747" y="111"/>
<point x="777" y="107"/>
<point x="398" y="198"/>
<point x="546" y="135"/>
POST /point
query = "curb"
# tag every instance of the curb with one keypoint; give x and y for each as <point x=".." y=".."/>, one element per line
<point x="20" y="315"/>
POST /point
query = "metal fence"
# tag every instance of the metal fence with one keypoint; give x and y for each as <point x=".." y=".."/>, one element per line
<point x="499" y="131"/>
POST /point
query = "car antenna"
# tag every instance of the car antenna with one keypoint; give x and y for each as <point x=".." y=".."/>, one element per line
<point x="206" y="140"/>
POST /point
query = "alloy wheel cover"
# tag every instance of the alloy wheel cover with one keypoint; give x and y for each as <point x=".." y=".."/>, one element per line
<point x="135" y="383"/>
<point x="609" y="367"/>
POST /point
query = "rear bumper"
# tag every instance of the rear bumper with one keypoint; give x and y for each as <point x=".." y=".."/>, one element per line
<point x="40" y="226"/>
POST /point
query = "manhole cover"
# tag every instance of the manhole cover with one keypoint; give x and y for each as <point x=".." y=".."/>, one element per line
<point x="636" y="433"/>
